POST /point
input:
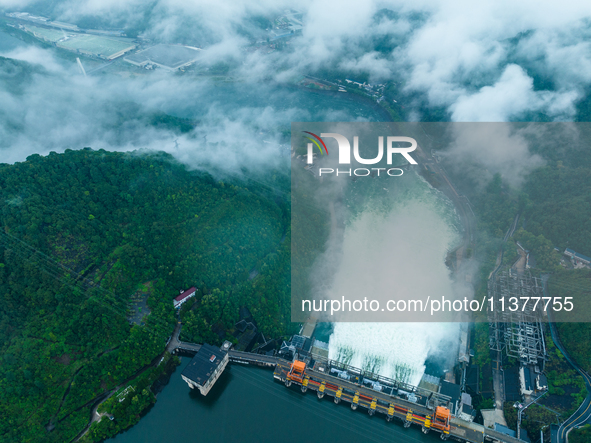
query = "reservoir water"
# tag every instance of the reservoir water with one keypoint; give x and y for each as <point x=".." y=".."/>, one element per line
<point x="247" y="405"/>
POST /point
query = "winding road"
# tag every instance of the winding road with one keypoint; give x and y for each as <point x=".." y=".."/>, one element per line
<point x="583" y="414"/>
<point x="173" y="343"/>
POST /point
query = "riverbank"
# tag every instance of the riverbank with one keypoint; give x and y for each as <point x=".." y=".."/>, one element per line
<point x="357" y="97"/>
<point x="126" y="405"/>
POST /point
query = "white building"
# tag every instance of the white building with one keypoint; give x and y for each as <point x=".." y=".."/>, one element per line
<point x="205" y="368"/>
<point x="184" y="296"/>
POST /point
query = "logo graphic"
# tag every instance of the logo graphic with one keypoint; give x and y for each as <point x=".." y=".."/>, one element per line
<point x="393" y="146"/>
<point x="316" y="143"/>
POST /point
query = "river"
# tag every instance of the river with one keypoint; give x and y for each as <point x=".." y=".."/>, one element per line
<point x="248" y="405"/>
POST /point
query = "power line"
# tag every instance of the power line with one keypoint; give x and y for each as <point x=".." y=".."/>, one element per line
<point x="63" y="274"/>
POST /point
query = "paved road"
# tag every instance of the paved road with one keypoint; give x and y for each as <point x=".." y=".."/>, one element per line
<point x="511" y="229"/>
<point x="500" y="255"/>
<point x="95" y="416"/>
<point x="499" y="385"/>
<point x="174" y="339"/>
<point x="100" y="67"/>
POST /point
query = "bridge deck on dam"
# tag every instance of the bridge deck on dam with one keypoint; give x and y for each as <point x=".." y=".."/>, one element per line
<point x="388" y="405"/>
<point x="253" y="359"/>
<point x="370" y="399"/>
<point x="235" y="356"/>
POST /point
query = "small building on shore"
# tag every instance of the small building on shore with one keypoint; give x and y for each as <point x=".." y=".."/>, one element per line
<point x="205" y="368"/>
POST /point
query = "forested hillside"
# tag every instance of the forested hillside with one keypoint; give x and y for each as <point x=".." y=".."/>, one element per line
<point x="84" y="231"/>
<point x="555" y="212"/>
<point x="554" y="207"/>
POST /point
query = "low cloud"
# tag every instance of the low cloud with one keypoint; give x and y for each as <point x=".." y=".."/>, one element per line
<point x="494" y="62"/>
<point x="481" y="150"/>
<point x="237" y="127"/>
<point x="510" y="97"/>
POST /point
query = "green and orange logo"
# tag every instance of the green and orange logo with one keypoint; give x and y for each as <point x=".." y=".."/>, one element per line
<point x="316" y="142"/>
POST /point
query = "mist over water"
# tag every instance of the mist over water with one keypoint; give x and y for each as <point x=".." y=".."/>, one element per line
<point x="396" y="245"/>
<point x="231" y="125"/>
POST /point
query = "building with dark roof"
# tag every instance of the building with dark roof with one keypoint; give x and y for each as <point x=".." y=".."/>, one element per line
<point x="245" y="333"/>
<point x="576" y="257"/>
<point x="527" y="380"/>
<point x="465" y="410"/>
<point x="184" y="296"/>
<point x="453" y="391"/>
<point x="541" y="382"/>
<point x="298" y="341"/>
<point x="512" y="384"/>
<point x="467" y="413"/>
<point x="532" y="380"/>
<point x="205" y="368"/>
<point x="505" y="430"/>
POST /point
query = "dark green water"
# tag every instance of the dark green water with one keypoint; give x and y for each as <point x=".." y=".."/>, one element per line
<point x="278" y="103"/>
<point x="247" y="405"/>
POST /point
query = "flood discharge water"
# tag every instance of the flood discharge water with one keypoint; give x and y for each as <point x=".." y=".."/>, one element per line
<point x="396" y="243"/>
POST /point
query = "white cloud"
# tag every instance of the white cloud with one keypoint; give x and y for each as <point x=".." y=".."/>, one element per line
<point x="511" y="96"/>
<point x="479" y="61"/>
<point x="494" y="148"/>
<point x="36" y="56"/>
<point x="371" y="62"/>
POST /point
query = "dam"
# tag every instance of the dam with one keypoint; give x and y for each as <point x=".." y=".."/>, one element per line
<point x="363" y="390"/>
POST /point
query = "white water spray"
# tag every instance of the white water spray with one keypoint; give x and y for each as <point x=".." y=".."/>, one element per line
<point x="404" y="248"/>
